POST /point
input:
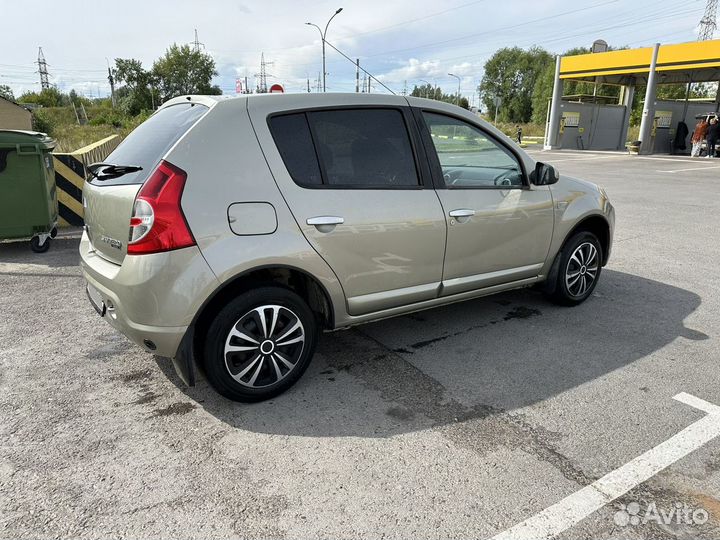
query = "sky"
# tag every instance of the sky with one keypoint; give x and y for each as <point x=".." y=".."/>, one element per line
<point x="401" y="42"/>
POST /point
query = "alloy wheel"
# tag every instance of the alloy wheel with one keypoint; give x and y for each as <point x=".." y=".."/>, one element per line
<point x="582" y="269"/>
<point x="264" y="346"/>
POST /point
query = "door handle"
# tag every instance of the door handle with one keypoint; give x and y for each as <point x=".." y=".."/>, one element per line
<point x="325" y="220"/>
<point x="325" y="223"/>
<point x="462" y="214"/>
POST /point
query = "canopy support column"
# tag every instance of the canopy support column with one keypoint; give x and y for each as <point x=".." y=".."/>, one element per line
<point x="628" y="93"/>
<point x="648" y="114"/>
<point x="553" y="126"/>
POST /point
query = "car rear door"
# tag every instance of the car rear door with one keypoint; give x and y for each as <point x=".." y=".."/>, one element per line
<point x="358" y="185"/>
<point x="499" y="225"/>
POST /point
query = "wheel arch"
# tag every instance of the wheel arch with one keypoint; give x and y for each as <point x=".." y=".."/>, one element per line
<point x="299" y="281"/>
<point x="596" y="224"/>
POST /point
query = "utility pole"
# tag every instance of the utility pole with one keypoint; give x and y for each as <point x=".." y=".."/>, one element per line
<point x="708" y="23"/>
<point x="322" y="37"/>
<point x="404" y="90"/>
<point x="457" y="99"/>
<point x="111" y="80"/>
<point x="308" y="84"/>
<point x="357" y="75"/>
<point x="196" y="43"/>
<point x="364" y="83"/>
<point x="42" y="70"/>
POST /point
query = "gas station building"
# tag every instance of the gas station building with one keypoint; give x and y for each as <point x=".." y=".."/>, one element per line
<point x="599" y="125"/>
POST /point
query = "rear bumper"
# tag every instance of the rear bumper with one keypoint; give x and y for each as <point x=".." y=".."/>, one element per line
<point x="151" y="299"/>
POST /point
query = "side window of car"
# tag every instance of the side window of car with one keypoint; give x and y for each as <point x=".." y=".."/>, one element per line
<point x="358" y="148"/>
<point x="364" y="147"/>
<point x="469" y="158"/>
<point x="294" y="142"/>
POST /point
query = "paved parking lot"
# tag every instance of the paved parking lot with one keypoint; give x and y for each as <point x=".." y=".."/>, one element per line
<point x="459" y="422"/>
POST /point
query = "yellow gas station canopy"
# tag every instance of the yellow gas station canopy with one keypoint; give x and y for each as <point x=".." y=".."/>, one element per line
<point x="683" y="62"/>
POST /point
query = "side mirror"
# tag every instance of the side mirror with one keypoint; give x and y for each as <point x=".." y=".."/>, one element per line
<point x="544" y="174"/>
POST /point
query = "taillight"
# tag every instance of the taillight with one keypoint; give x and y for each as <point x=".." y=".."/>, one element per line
<point x="157" y="223"/>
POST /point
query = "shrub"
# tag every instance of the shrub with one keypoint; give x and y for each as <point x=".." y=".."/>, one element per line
<point x="42" y="122"/>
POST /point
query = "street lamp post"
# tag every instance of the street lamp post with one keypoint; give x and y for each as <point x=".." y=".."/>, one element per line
<point x="322" y="37"/>
<point x="457" y="99"/>
<point x="426" y="92"/>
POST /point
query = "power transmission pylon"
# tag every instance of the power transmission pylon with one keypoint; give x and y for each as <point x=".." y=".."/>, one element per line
<point x="262" y="76"/>
<point x="42" y="69"/>
<point x="708" y="23"/>
<point x="196" y="44"/>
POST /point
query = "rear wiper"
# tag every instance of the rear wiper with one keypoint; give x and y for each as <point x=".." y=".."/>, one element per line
<point x="107" y="171"/>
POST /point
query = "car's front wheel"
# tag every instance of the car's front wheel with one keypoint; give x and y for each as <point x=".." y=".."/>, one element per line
<point x="260" y="344"/>
<point x="578" y="270"/>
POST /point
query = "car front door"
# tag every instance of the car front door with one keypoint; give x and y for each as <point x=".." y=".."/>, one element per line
<point x="499" y="225"/>
<point x="359" y="187"/>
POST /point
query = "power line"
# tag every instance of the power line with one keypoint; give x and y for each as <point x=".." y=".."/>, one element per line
<point x="403" y="23"/>
<point x="634" y="21"/>
<point x="562" y="37"/>
<point x="370" y="75"/>
<point x="511" y="27"/>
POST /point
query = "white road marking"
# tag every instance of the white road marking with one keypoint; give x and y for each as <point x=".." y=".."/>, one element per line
<point x="582" y="159"/>
<point x="670" y="158"/>
<point x="706" y="167"/>
<point x="576" y="507"/>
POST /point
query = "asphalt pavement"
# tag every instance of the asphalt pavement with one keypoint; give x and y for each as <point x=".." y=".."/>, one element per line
<point x="501" y="415"/>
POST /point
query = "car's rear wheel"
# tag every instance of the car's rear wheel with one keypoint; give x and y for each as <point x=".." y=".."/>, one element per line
<point x="260" y="344"/>
<point x="578" y="270"/>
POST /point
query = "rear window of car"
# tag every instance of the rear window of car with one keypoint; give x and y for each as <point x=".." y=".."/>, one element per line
<point x="151" y="140"/>
<point x="359" y="148"/>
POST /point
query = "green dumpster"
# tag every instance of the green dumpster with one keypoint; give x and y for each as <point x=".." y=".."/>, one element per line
<point x="28" y="200"/>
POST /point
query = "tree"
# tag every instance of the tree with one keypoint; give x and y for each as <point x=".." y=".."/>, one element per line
<point x="670" y="92"/>
<point x="430" y="92"/>
<point x="6" y="92"/>
<point x="511" y="75"/>
<point x="49" y="97"/>
<point x="185" y="71"/>
<point x="135" y="95"/>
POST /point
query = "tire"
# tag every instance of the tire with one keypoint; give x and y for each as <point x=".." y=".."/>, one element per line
<point x="36" y="247"/>
<point x="578" y="270"/>
<point x="249" y="360"/>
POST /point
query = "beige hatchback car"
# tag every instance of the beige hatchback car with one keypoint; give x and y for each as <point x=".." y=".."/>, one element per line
<point x="230" y="231"/>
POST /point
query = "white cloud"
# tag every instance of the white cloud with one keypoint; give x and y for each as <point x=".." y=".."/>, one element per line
<point x="397" y="41"/>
